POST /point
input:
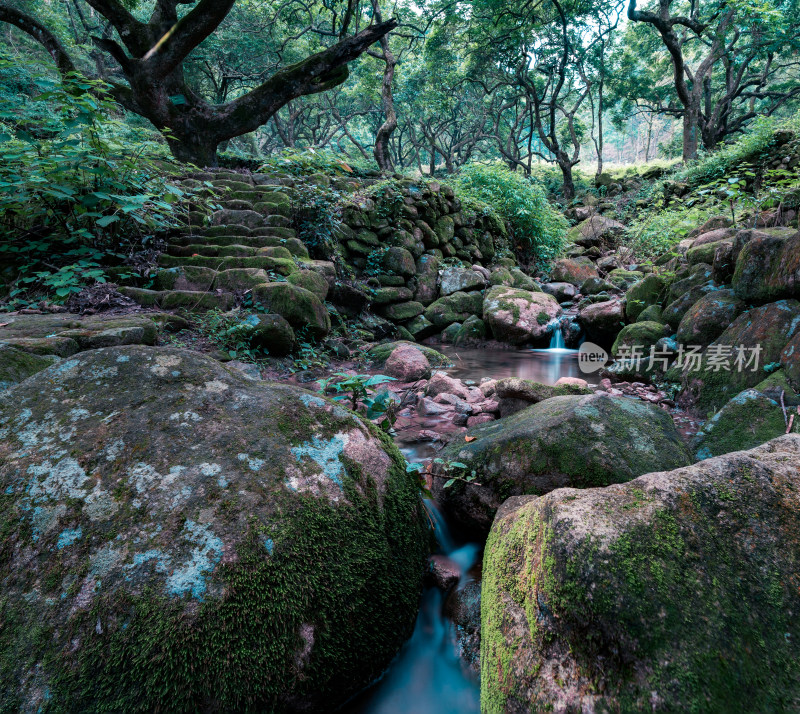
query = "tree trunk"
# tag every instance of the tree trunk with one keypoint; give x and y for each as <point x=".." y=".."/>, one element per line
<point x="691" y="119"/>
<point x="382" y="155"/>
<point x="568" y="188"/>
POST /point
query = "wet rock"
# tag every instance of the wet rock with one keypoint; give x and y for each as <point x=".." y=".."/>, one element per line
<point x="444" y="572"/>
<point x="398" y="261"/>
<point x="463" y="607"/>
<point x="611" y="599"/>
<point x="403" y="311"/>
<point x="407" y="363"/>
<point x="171" y="511"/>
<point x="675" y="311"/>
<point x="650" y="314"/>
<point x="581" y="441"/>
<point x="518" y="316"/>
<point x="790" y="361"/>
<point x="708" y="318"/>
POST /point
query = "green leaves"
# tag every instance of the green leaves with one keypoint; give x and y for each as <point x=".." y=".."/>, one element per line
<point x="518" y="200"/>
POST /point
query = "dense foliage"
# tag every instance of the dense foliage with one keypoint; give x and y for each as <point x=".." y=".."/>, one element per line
<point x="521" y="202"/>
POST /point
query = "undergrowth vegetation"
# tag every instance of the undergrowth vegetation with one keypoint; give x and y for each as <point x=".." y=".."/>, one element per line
<point x="537" y="227"/>
<point x="75" y="198"/>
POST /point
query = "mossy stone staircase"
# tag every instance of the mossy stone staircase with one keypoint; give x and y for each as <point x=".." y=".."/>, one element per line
<point x="246" y="244"/>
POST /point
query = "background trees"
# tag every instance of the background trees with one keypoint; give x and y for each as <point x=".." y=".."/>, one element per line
<point x="427" y="86"/>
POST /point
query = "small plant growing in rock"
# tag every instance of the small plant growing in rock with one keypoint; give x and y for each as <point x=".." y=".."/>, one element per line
<point x="358" y="390"/>
<point x="451" y="469"/>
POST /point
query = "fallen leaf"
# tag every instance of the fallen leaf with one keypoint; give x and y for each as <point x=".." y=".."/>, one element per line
<point x="470" y="438"/>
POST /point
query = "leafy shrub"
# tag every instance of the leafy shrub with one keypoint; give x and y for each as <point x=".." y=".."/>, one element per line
<point x="316" y="216"/>
<point x="658" y="232"/>
<point x="305" y="162"/>
<point x="74" y="196"/>
<point x="536" y="226"/>
<point x="751" y="147"/>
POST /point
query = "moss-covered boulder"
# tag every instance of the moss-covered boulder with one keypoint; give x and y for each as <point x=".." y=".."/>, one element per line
<point x="270" y="332"/>
<point x="454" y="308"/>
<point x="582" y="441"/>
<point x="471" y="332"/>
<point x="17" y="365"/>
<point x="520" y="316"/>
<point x="651" y="313"/>
<point x="768" y="268"/>
<point x="515" y="394"/>
<point x="742" y="356"/>
<point x="623" y="278"/>
<point x="648" y="291"/>
<point x="676" y="310"/>
<point x="312" y="281"/>
<point x="459" y="278"/>
<point x="639" y="335"/>
<point x="708" y="318"/>
<point x="299" y="307"/>
<point x="380" y="353"/>
<point x="403" y="311"/>
<point x="177" y="537"/>
<point x="675" y="592"/>
<point x="573" y="270"/>
<point x="749" y="419"/>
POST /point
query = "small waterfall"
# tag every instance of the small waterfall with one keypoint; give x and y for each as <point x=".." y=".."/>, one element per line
<point x="557" y="339"/>
<point x="443" y="537"/>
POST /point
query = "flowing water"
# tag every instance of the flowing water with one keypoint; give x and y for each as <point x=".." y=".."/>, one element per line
<point x="428" y="676"/>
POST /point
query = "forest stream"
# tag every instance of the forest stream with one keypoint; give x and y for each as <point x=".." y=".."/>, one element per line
<point x="429" y="670"/>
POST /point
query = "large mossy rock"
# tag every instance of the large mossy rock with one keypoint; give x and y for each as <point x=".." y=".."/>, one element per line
<point x="675" y="592"/>
<point x="179" y="538"/>
<point x="380" y="353"/>
<point x="573" y="270"/>
<point x="768" y="268"/>
<point x="515" y="394"/>
<point x="749" y="419"/>
<point x="709" y="317"/>
<point x="454" y="308"/>
<point x="582" y="441"/>
<point x="596" y="231"/>
<point x="754" y="343"/>
<point x="520" y="316"/>
<point x="301" y="308"/>
<point x="648" y="291"/>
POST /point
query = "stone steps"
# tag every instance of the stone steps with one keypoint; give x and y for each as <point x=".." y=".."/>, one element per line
<point x="237" y="247"/>
<point x="174" y="299"/>
<point x="282" y="266"/>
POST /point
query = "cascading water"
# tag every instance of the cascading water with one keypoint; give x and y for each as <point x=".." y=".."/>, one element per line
<point x="557" y="340"/>
<point x="428" y="676"/>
